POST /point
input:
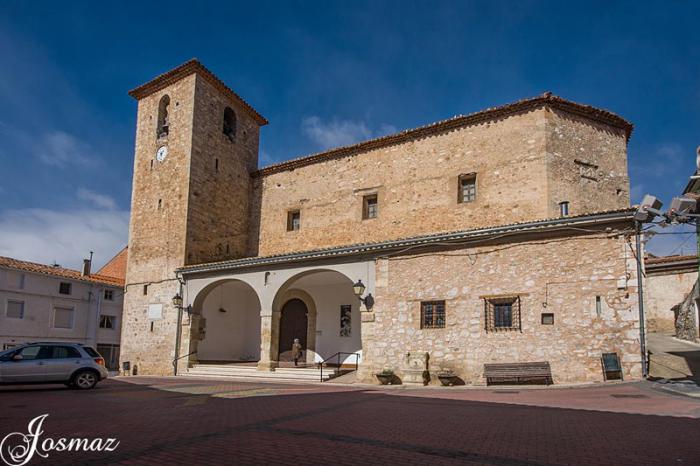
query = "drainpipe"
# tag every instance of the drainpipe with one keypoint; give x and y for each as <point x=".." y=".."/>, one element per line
<point x="640" y="297"/>
<point x="178" y="330"/>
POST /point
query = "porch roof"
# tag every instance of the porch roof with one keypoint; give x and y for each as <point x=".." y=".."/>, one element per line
<point x="574" y="223"/>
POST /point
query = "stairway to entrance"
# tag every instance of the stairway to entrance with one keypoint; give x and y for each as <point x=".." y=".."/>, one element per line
<point x="249" y="372"/>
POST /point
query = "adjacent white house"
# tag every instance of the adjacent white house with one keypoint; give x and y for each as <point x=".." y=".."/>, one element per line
<point x="41" y="302"/>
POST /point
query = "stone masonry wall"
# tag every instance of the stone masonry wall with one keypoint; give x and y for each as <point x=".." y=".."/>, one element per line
<point x="218" y="214"/>
<point x="525" y="164"/>
<point x="664" y="293"/>
<point x="417" y="188"/>
<point x="586" y="165"/>
<point x="567" y="274"/>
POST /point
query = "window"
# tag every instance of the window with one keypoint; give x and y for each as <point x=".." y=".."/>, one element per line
<point x="15" y="309"/>
<point x="547" y="318"/>
<point x="65" y="352"/>
<point x="63" y="317"/>
<point x="370" y="207"/>
<point x="64" y="288"/>
<point x="598" y="306"/>
<point x="467" y="187"/>
<point x="502" y="313"/>
<point x="564" y="208"/>
<point x="230" y="124"/>
<point x="216" y="165"/>
<point x="432" y="314"/>
<point x="293" y="220"/>
<point x="145" y="290"/>
<point x="587" y="170"/>
<point x="163" y="127"/>
<point x="109" y="295"/>
<point x="107" y="322"/>
<point x="31" y="352"/>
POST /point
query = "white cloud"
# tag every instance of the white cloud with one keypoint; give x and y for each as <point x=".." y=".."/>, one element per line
<point x="59" y="149"/>
<point x="97" y="199"/>
<point x="338" y="133"/>
<point x="45" y="236"/>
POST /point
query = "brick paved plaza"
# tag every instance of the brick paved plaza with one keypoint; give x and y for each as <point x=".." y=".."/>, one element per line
<point x="197" y="421"/>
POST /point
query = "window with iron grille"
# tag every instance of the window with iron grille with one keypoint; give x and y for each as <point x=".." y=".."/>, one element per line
<point x="432" y="314"/>
<point x="370" y="206"/>
<point x="502" y="313"/>
<point x="64" y="288"/>
<point x="467" y="187"/>
<point x="293" y="220"/>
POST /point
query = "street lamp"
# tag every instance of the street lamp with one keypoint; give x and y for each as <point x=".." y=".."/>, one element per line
<point x="359" y="288"/>
<point x="177" y="302"/>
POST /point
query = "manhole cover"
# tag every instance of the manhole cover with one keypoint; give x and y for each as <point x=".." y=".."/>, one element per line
<point x="628" y="396"/>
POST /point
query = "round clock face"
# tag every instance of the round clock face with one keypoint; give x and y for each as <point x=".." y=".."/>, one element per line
<point x="162" y="153"/>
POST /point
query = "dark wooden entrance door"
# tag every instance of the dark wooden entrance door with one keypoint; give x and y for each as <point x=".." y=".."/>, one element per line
<point x="293" y="324"/>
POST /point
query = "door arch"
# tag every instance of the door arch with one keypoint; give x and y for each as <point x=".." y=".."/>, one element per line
<point x="294" y="323"/>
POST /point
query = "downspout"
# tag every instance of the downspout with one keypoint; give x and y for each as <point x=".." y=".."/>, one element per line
<point x="178" y="330"/>
<point x="640" y="297"/>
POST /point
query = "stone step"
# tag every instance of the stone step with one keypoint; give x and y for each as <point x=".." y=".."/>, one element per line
<point x="250" y="372"/>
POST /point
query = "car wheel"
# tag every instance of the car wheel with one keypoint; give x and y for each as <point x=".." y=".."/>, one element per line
<point x="85" y="380"/>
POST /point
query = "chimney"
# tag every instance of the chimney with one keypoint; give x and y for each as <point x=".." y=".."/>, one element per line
<point x="86" y="267"/>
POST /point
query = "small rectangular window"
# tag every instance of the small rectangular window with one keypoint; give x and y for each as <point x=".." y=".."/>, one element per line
<point x="432" y="314"/>
<point x="293" y="220"/>
<point x="63" y="317"/>
<point x="598" y="306"/>
<point x="370" y="206"/>
<point x="564" y="209"/>
<point x="502" y="313"/>
<point x="109" y="295"/>
<point x="107" y="322"/>
<point x="547" y="318"/>
<point x="64" y="288"/>
<point x="15" y="309"/>
<point x="467" y="187"/>
<point x="145" y="290"/>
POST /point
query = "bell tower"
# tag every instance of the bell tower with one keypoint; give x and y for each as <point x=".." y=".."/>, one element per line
<point x="196" y="146"/>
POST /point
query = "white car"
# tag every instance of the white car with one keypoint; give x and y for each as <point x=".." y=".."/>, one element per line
<point x="72" y="364"/>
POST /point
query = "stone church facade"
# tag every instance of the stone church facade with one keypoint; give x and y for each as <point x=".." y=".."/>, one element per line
<point x="499" y="236"/>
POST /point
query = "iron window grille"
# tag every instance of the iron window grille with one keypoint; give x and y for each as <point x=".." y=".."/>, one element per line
<point x="293" y="220"/>
<point x="432" y="314"/>
<point x="370" y="207"/>
<point x="502" y="314"/>
<point x="64" y="288"/>
<point x="467" y="187"/>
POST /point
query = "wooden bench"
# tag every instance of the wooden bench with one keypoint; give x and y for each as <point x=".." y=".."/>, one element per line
<point x="518" y="372"/>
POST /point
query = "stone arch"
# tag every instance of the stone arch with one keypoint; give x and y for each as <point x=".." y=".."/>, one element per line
<point x="225" y="323"/>
<point x="301" y="286"/>
<point x="163" y="127"/>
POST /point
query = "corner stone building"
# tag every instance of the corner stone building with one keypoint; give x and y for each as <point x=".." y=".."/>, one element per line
<point x="499" y="236"/>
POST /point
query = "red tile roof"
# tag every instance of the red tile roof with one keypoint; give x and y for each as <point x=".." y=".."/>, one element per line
<point x="116" y="267"/>
<point x="186" y="69"/>
<point x="58" y="271"/>
<point x="490" y="114"/>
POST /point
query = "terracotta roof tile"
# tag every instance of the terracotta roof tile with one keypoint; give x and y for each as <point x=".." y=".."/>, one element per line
<point x="116" y="267"/>
<point x="488" y="114"/>
<point x="186" y="69"/>
<point x="58" y="271"/>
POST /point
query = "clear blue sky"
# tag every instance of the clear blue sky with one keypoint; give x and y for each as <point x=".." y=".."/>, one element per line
<point x="323" y="73"/>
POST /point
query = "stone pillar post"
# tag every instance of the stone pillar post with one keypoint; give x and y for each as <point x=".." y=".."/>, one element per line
<point x="269" y="340"/>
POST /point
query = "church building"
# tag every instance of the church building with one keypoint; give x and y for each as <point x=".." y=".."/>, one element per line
<point x="501" y="236"/>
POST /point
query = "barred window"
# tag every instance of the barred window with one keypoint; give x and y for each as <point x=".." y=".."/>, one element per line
<point x="64" y="288"/>
<point x="502" y="313"/>
<point x="432" y="314"/>
<point x="467" y="187"/>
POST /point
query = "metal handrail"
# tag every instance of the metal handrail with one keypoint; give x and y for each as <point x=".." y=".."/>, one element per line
<point x="177" y="359"/>
<point x="338" y="354"/>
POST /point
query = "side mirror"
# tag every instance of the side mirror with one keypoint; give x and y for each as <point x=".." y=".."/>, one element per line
<point x="17" y="357"/>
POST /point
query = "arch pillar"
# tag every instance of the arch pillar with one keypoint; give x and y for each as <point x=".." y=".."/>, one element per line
<point x="269" y="340"/>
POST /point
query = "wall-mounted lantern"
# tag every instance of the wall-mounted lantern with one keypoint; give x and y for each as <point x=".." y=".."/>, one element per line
<point x="359" y="289"/>
<point x="177" y="302"/>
